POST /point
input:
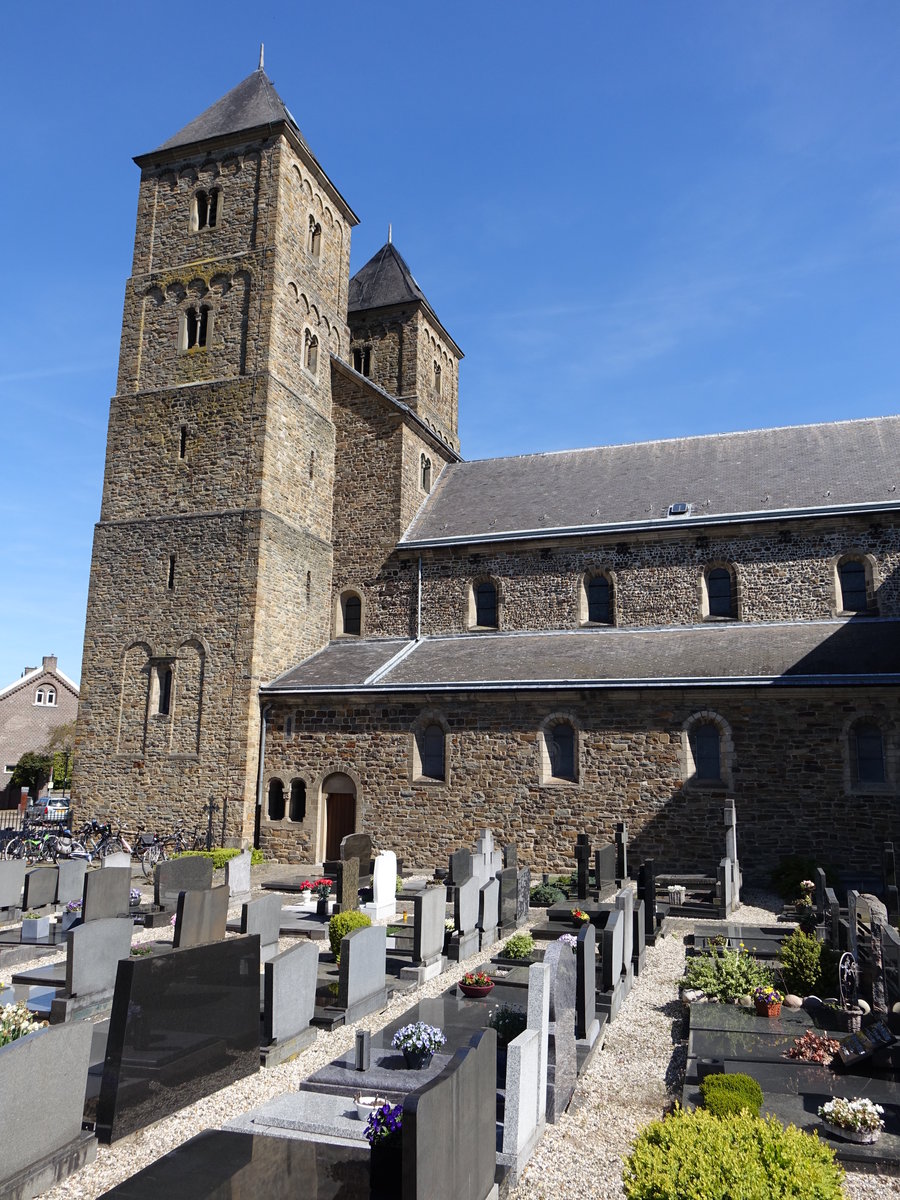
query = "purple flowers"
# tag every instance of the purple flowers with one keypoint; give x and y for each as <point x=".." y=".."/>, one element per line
<point x="418" y="1037"/>
<point x="74" y="906"/>
<point x="384" y="1122"/>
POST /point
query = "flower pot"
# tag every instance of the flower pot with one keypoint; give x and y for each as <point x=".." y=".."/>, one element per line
<point x="578" y="922"/>
<point x="767" y="1010"/>
<point x="68" y="919"/>
<point x="416" y="1060"/>
<point x="476" y="991"/>
<point x="34" y="928"/>
<point x="366" y="1105"/>
<point x="385" y="1167"/>
<point x="862" y="1137"/>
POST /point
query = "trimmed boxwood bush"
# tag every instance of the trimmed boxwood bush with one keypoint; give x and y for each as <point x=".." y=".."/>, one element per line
<point x="801" y="963"/>
<point x="220" y="856"/>
<point x="544" y="895"/>
<point x="341" y="924"/>
<point x="520" y="945"/>
<point x="727" y="1094"/>
<point x="696" y="1156"/>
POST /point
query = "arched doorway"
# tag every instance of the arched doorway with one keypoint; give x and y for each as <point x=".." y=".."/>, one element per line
<point x="339" y="804"/>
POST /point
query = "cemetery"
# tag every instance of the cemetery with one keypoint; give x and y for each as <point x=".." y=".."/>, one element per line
<point x="424" y="1035"/>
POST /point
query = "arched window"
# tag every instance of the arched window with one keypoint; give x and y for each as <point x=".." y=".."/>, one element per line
<point x="311" y="353"/>
<point x="705" y="749"/>
<point x="598" y="606"/>
<point x="853" y="586"/>
<point x="867" y="754"/>
<point x="51" y="695"/>
<point x="297" y="810"/>
<point x="426" y="472"/>
<point x="719" y="592"/>
<point x="351" y="614"/>
<point x="195" y="327"/>
<point x="276" y="800"/>
<point x="362" y="360"/>
<point x="314" y="241"/>
<point x="437" y="377"/>
<point x="560" y="742"/>
<point x="40" y="696"/>
<point x="205" y="211"/>
<point x="485" y="595"/>
<point x="708" y="751"/>
<point x="432" y="752"/>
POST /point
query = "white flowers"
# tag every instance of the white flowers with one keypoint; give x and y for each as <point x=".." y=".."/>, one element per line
<point x="859" y="1114"/>
<point x="16" y="1021"/>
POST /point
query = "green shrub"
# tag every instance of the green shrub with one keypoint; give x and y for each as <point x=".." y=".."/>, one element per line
<point x="220" y="856"/>
<point x="786" y="877"/>
<point x="727" y="1094"/>
<point x="801" y="963"/>
<point x="509" y="1020"/>
<point x="543" y="895"/>
<point x="520" y="945"/>
<point x="696" y="1156"/>
<point x="726" y="974"/>
<point x="341" y="924"/>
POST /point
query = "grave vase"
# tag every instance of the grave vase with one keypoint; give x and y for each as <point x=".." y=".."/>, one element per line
<point x="862" y="1137"/>
<point x="385" y="1161"/>
<point x="34" y="928"/>
<point x="416" y="1060"/>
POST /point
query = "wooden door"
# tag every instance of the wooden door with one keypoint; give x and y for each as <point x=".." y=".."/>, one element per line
<point x="340" y="817"/>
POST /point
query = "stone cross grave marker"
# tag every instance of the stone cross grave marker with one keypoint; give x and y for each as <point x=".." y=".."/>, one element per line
<point x="582" y="864"/>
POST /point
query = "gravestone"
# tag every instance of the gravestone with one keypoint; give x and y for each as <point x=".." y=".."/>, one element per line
<point x="461" y="867"/>
<point x="520" y="1127"/>
<point x="587" y="1027"/>
<point x="487" y="859"/>
<point x="508" y="898"/>
<point x="237" y="874"/>
<point x="358" y="846"/>
<point x="289" y="999"/>
<point x="262" y="917"/>
<point x="201" y="917"/>
<point x="612" y="943"/>
<point x="188" y="1022"/>
<point x="891" y="890"/>
<point x="106" y="893"/>
<point x="539" y="1020"/>
<point x="70" y="886"/>
<point x="561" y="1057"/>
<point x="834" y="918"/>
<point x="625" y="903"/>
<point x="605" y="867"/>
<point x="347" y="884"/>
<point x="582" y="864"/>
<point x="40" y="887"/>
<point x="461" y="1099"/>
<point x="93" y="953"/>
<point x="510" y="855"/>
<point x="466" y="901"/>
<point x="621" y="851"/>
<point x="429" y="908"/>
<point x="118" y="858"/>
<point x="12" y="881"/>
<point x="384" y="887"/>
<point x="821" y="886"/>
<point x="646" y="890"/>
<point x="853" y="923"/>
<point x="489" y="912"/>
<point x="639" y="938"/>
<point x="523" y="895"/>
<point x="180" y="875"/>
<point x="361" y="981"/>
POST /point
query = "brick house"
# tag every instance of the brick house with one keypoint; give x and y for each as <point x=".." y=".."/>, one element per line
<point x="305" y="605"/>
<point x="31" y="707"/>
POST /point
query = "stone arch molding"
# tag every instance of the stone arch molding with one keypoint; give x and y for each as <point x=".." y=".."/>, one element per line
<point x="188" y="663"/>
<point x="544" y="765"/>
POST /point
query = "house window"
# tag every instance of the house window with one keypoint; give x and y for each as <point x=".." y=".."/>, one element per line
<point x="559" y="740"/>
<point x="195" y="327"/>
<point x="425" y="474"/>
<point x="432" y="752"/>
<point x="868" y="754"/>
<point x="485" y="596"/>
<point x="314" y="240"/>
<point x="351" y="614"/>
<point x="719" y="593"/>
<point x="311" y="352"/>
<point x="362" y="360"/>
<point x="45" y="695"/>
<point x="852" y="583"/>
<point x="297" y="809"/>
<point x="599" y="609"/>
<point x="205" y="209"/>
<point x="276" y="800"/>
<point x="704" y="739"/>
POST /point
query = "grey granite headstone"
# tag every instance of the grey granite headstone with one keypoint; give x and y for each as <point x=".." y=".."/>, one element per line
<point x="263" y="916"/>
<point x="625" y="902"/>
<point x="201" y="917"/>
<point x="117" y="859"/>
<point x="612" y="941"/>
<point x="12" y="881"/>
<point x="71" y="880"/>
<point x="361" y="982"/>
<point x="40" y="887"/>
<point x="290" y="992"/>
<point x="834" y="918"/>
<point x="93" y="954"/>
<point x="539" y="1020"/>
<point x="639" y="937"/>
<point x="462" y="1098"/>
<point x="466" y="902"/>
<point x="489" y="911"/>
<point x="821" y="884"/>
<point x="106" y="893"/>
<point x="177" y="875"/>
<point x="605" y="867"/>
<point x="358" y="846"/>
<point x="587" y="1026"/>
<point x="461" y="867"/>
<point x="428" y="935"/>
<point x="42" y="1098"/>
<point x="852" y="923"/>
<point x="523" y="895"/>
<point x="561" y="1065"/>
<point x="237" y="874"/>
<point x="508" y="893"/>
<point x="510" y="855"/>
<point x="520" y="1110"/>
<point x="347" y="885"/>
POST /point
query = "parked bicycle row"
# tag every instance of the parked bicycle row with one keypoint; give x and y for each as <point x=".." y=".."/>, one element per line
<point x="95" y="841"/>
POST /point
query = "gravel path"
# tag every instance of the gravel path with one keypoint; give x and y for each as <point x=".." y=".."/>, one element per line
<point x="633" y="1080"/>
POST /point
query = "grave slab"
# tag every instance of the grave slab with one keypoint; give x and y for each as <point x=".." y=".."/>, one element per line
<point x="40" y="887"/>
<point x="180" y="875"/>
<point x="70" y="885"/>
<point x="201" y="917"/>
<point x="237" y="874"/>
<point x="106" y="893"/>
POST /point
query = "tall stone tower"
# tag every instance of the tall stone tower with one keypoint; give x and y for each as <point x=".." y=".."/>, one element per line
<point x="212" y="560"/>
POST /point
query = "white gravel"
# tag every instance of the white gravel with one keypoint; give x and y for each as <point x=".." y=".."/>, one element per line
<point x="633" y="1080"/>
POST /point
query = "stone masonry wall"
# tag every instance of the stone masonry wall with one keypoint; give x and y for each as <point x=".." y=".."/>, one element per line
<point x="789" y="763"/>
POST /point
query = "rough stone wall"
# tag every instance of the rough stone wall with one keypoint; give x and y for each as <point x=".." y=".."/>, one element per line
<point x="789" y="763"/>
<point x="781" y="576"/>
<point x="438" y="408"/>
<point x="25" y="725"/>
<point x="387" y="334"/>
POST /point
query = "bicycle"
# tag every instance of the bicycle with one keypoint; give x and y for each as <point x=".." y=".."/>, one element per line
<point x="149" y="849"/>
<point x="33" y="845"/>
<point x="103" y="845"/>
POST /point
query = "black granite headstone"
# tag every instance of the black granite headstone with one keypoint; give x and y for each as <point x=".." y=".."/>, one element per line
<point x="821" y="885"/>
<point x="605" y="867"/>
<point x="358" y="846"/>
<point x="586" y="980"/>
<point x="460" y="867"/>
<point x="510" y="855"/>
<point x="508" y="894"/>
<point x="183" y="1025"/>
<point x="582" y="863"/>
<point x="646" y="890"/>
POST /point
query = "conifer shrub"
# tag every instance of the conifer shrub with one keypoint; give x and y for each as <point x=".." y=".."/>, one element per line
<point x="341" y="924"/>
<point x="727" y="1094"/>
<point x="545" y="895"/>
<point x="801" y="963"/>
<point x="697" y="1156"/>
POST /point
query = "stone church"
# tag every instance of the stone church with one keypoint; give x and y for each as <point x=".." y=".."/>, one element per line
<point x="307" y="608"/>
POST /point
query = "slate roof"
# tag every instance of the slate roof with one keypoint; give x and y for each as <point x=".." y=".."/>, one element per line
<point x="384" y="280"/>
<point x="252" y="103"/>
<point x="785" y="653"/>
<point x="721" y="476"/>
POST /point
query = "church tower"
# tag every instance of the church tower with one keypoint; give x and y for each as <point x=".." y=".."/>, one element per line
<point x="212" y="559"/>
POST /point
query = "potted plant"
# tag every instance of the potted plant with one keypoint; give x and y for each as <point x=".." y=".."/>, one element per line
<point x="134" y="898"/>
<point x="580" y="917"/>
<point x="16" y="1021"/>
<point x="856" y="1120"/>
<point x="519" y="949"/>
<point x="568" y="939"/>
<point x="34" y="927"/>
<point x="71" y="915"/>
<point x="767" y="1001"/>
<point x="322" y="888"/>
<point x="366" y="1105"/>
<point x="418" y="1043"/>
<point x="384" y="1134"/>
<point x="476" y="985"/>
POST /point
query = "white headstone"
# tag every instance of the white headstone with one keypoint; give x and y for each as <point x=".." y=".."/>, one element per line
<point x="384" y="887"/>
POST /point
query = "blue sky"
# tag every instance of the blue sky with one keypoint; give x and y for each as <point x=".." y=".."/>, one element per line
<point x="637" y="219"/>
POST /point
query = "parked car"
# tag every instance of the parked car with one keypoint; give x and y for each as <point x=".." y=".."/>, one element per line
<point x="49" y="808"/>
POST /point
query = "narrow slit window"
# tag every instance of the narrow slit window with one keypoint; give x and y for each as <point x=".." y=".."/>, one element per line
<point x="165" y="691"/>
<point x="196" y="327"/>
<point x="315" y="237"/>
<point x="206" y="209"/>
<point x="182" y="442"/>
<point x="426" y="473"/>
<point x="297" y="810"/>
<point x="276" y="800"/>
<point x="308" y="586"/>
<point x="437" y="377"/>
<point x="171" y="578"/>
<point x="705" y="749"/>
<point x="312" y="352"/>
<point x="561" y="751"/>
<point x="433" y="752"/>
<point x="362" y="360"/>
<point x="353" y="615"/>
<point x="486" y="604"/>
<point x="869" y="754"/>
<point x="312" y="463"/>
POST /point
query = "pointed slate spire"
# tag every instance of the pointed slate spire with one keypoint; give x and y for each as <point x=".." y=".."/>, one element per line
<point x="254" y="102"/>
<point x="384" y="280"/>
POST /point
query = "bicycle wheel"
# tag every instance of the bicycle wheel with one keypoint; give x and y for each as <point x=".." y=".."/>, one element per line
<point x="15" y="848"/>
<point x="112" y="845"/>
<point x="50" y="849"/>
<point x="152" y="855"/>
